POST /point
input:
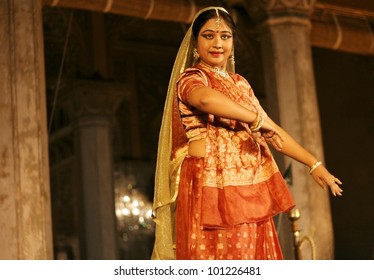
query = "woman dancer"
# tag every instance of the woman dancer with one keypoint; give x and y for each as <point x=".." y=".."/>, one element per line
<point x="217" y="184"/>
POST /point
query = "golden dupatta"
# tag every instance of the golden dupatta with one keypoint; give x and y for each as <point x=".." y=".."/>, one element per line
<point x="172" y="149"/>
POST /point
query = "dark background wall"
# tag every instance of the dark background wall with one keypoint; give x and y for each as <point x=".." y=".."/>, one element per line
<point x="345" y="87"/>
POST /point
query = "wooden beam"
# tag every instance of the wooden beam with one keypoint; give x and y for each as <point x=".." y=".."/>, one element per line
<point x="343" y="33"/>
<point x="171" y="10"/>
<point x="333" y="27"/>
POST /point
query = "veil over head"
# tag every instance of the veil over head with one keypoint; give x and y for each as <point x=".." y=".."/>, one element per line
<point x="170" y="154"/>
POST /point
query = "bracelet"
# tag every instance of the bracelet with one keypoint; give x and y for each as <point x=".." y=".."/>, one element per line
<point x="261" y="123"/>
<point x="314" y="167"/>
<point x="257" y="123"/>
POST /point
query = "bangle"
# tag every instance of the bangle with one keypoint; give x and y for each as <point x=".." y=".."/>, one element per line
<point x="314" y="167"/>
<point x="257" y="123"/>
<point x="260" y="124"/>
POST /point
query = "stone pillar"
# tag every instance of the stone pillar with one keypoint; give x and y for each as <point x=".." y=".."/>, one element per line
<point x="284" y="29"/>
<point x="25" y="212"/>
<point x="93" y="105"/>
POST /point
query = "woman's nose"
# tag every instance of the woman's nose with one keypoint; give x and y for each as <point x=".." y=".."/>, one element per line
<point x="217" y="43"/>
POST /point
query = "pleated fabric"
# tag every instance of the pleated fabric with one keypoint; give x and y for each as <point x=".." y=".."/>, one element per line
<point x="247" y="241"/>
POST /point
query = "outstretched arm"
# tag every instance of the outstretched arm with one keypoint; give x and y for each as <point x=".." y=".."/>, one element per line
<point x="214" y="102"/>
<point x="294" y="150"/>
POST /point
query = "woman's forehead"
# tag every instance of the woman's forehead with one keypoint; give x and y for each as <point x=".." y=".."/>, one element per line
<point x="213" y="25"/>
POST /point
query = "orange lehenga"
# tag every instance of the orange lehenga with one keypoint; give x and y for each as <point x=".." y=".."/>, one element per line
<point x="226" y="200"/>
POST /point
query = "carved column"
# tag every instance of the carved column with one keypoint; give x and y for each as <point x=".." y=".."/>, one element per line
<point x="93" y="105"/>
<point x="25" y="213"/>
<point x="284" y="30"/>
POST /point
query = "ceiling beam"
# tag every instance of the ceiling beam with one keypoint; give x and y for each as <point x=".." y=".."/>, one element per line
<point x="333" y="27"/>
<point x="169" y="10"/>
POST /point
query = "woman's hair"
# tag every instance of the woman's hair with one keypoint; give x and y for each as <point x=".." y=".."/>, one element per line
<point x="207" y="15"/>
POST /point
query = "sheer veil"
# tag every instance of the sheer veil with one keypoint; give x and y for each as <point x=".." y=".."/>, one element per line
<point x="168" y="161"/>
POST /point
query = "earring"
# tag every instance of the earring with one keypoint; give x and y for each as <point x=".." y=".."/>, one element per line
<point x="195" y="54"/>
<point x="232" y="59"/>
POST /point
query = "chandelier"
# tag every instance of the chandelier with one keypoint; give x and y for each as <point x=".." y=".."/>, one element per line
<point x="133" y="211"/>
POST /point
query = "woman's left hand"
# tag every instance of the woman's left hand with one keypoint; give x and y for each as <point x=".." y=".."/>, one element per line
<point x="273" y="139"/>
<point x="271" y="135"/>
<point x="267" y="134"/>
<point x="263" y="137"/>
<point x="325" y="179"/>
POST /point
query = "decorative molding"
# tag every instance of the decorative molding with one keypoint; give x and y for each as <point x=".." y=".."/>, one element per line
<point x="169" y="10"/>
<point x="93" y="98"/>
<point x="287" y="4"/>
<point x="262" y="10"/>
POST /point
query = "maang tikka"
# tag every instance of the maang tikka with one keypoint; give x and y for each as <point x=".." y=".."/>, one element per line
<point x="218" y="20"/>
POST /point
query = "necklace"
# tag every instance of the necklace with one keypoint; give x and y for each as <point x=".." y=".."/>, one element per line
<point x="217" y="70"/>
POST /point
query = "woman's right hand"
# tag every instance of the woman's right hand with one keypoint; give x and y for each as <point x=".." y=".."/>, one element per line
<point x="326" y="180"/>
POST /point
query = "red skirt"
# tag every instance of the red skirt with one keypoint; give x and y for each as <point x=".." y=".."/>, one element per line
<point x="248" y="241"/>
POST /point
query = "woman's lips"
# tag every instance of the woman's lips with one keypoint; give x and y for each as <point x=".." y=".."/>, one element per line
<point x="216" y="54"/>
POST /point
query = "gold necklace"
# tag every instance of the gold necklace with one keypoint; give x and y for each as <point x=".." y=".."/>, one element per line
<point x="217" y="70"/>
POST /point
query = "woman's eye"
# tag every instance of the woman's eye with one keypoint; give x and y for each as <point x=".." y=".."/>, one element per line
<point x="226" y="37"/>
<point x="211" y="36"/>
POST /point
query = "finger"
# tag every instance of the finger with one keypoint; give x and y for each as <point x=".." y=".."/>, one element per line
<point x="258" y="139"/>
<point x="338" y="181"/>
<point x="339" y="193"/>
<point x="275" y="144"/>
<point x="279" y="142"/>
<point x="322" y="184"/>
<point x="333" y="190"/>
<point x="279" y="135"/>
<point x="278" y="146"/>
<point x="276" y="140"/>
<point x="256" y="135"/>
<point x="262" y="142"/>
<point x="330" y="181"/>
<point x="336" y="190"/>
<point x="339" y="190"/>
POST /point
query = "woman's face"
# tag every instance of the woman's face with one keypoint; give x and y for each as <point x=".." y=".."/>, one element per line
<point x="215" y="43"/>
